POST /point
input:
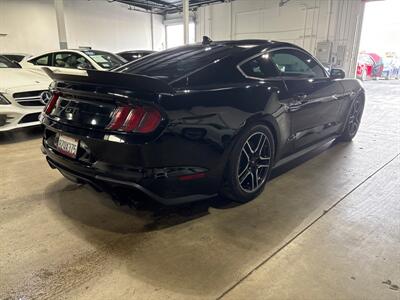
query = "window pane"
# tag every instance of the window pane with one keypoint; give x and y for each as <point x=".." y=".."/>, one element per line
<point x="42" y="61"/>
<point x="259" y="67"/>
<point x="71" y="60"/>
<point x="5" y="63"/>
<point x="175" y="63"/>
<point x="296" y="63"/>
<point x="104" y="59"/>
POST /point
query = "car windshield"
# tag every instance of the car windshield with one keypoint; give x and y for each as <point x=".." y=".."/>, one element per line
<point x="6" y="63"/>
<point x="362" y="58"/>
<point x="178" y="62"/>
<point x="106" y="60"/>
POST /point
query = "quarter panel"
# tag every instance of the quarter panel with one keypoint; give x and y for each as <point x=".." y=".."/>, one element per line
<point x="352" y="89"/>
<point x="213" y="117"/>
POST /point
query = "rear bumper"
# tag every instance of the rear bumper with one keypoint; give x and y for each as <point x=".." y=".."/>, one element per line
<point x="160" y="184"/>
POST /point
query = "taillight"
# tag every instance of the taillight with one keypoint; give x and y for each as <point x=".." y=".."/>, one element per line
<point x="141" y="119"/>
<point x="118" y="117"/>
<point x="51" y="104"/>
<point x="133" y="120"/>
<point x="150" y="120"/>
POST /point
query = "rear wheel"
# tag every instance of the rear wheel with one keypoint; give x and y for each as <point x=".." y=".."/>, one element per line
<point x="353" y="121"/>
<point x="249" y="165"/>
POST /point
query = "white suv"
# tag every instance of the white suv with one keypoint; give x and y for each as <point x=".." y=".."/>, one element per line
<point x="23" y="95"/>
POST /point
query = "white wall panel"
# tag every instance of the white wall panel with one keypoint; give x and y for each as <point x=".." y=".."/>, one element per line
<point x="31" y="26"/>
<point x="109" y="26"/>
<point x="302" y="22"/>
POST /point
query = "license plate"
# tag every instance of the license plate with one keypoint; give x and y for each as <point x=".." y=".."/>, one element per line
<point x="67" y="145"/>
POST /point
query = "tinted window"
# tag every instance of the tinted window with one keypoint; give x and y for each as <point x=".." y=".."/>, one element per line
<point x="14" y="57"/>
<point x="6" y="63"/>
<point x="71" y="60"/>
<point x="41" y="61"/>
<point x="178" y="62"/>
<point x="295" y="63"/>
<point x="104" y="59"/>
<point x="131" y="56"/>
<point x="259" y="67"/>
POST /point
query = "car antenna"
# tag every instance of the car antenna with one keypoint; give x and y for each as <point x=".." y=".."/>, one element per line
<point x="206" y="40"/>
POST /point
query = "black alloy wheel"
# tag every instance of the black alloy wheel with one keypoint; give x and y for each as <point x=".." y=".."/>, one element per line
<point x="249" y="165"/>
<point x="354" y="120"/>
<point x="254" y="162"/>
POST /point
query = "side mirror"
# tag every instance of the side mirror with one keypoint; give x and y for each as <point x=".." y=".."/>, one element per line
<point x="337" y="74"/>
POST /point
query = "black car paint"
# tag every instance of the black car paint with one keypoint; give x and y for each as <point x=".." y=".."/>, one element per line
<point x="134" y="54"/>
<point x="202" y="118"/>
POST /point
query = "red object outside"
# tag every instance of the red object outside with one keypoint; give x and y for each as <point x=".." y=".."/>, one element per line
<point x="369" y="65"/>
<point x="192" y="176"/>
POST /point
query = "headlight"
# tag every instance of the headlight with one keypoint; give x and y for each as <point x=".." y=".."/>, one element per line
<point x="3" y="100"/>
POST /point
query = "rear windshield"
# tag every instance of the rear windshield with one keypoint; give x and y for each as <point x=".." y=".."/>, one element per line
<point x="175" y="63"/>
<point x="5" y="63"/>
<point x="14" y="57"/>
<point x="104" y="59"/>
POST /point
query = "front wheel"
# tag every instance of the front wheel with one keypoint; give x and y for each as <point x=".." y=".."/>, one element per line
<point x="353" y="120"/>
<point x="249" y="165"/>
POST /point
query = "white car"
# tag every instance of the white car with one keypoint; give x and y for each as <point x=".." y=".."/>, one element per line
<point x="23" y="95"/>
<point x="71" y="61"/>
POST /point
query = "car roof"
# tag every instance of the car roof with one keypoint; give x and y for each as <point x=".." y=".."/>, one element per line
<point x="201" y="56"/>
<point x="21" y="54"/>
<point x="79" y="50"/>
<point x="251" y="46"/>
<point x="70" y="50"/>
<point x="254" y="43"/>
<point x="137" y="51"/>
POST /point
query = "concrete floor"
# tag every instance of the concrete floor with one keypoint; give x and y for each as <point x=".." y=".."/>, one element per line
<point x="327" y="227"/>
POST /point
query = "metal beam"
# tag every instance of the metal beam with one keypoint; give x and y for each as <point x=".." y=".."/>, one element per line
<point x="185" y="5"/>
<point x="135" y="4"/>
<point x="164" y="7"/>
<point x="152" y="30"/>
<point x="62" y="32"/>
<point x="195" y="5"/>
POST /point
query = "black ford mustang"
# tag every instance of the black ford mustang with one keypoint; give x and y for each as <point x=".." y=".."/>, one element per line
<point x="194" y="121"/>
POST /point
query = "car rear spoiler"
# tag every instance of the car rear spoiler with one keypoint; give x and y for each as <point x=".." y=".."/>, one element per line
<point x="114" y="79"/>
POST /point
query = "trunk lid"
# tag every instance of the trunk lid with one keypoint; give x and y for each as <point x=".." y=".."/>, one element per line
<point x="92" y="98"/>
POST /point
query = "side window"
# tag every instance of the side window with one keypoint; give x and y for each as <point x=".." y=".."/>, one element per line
<point x="42" y="61"/>
<point x="295" y="63"/>
<point x="259" y="67"/>
<point x="71" y="60"/>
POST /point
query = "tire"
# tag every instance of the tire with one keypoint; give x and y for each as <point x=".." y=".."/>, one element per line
<point x="353" y="120"/>
<point x="249" y="165"/>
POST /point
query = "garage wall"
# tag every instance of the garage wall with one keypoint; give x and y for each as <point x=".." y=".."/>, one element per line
<point x="31" y="26"/>
<point x="302" y="22"/>
<point x="110" y="26"/>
